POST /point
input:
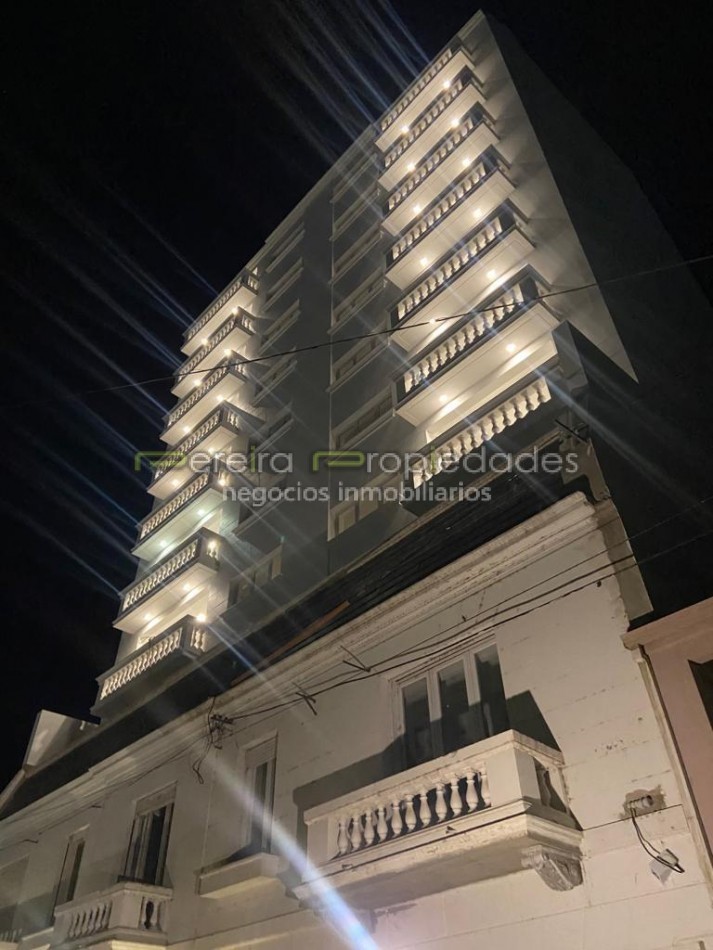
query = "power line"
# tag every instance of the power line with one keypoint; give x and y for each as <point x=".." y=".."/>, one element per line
<point x="309" y="347"/>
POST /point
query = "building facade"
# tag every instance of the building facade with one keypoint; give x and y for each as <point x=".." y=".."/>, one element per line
<point x="373" y="688"/>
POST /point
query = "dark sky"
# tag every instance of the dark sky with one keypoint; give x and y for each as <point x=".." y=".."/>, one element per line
<point x="147" y="150"/>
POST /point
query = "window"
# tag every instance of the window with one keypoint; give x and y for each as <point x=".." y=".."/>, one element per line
<point x="360" y="502"/>
<point x="703" y="675"/>
<point x="146" y="858"/>
<point x="378" y="410"/>
<point x="260" y="785"/>
<point x="70" y="870"/>
<point x="258" y="575"/>
<point x="451" y="706"/>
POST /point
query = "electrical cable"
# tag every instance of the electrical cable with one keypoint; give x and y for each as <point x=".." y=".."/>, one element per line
<point x="75" y="394"/>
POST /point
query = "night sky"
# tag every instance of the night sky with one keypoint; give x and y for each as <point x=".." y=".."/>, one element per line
<point x="147" y="150"/>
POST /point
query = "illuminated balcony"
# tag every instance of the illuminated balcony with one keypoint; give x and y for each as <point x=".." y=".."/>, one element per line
<point x="469" y="362"/>
<point x="240" y="294"/>
<point x="468" y="436"/>
<point x="227" y="340"/>
<point x="451" y="285"/>
<point x="197" y="504"/>
<point x="448" y="111"/>
<point x="168" y="589"/>
<point x="223" y="384"/>
<point x="437" y="78"/>
<point x="479" y="191"/>
<point x="186" y="640"/>
<point x="460" y="148"/>
<point x="222" y="430"/>
<point x="129" y="913"/>
<point x="485" y="811"/>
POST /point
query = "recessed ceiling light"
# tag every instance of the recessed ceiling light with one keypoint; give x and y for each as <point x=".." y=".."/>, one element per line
<point x="404" y="129"/>
<point x="196" y="383"/>
<point x="163" y="543"/>
<point x="187" y="587"/>
<point x="186" y="428"/>
<point x="511" y="347"/>
<point x="147" y="616"/>
<point x="201" y="618"/>
<point x="492" y="274"/>
<point x="443" y="399"/>
<point x="201" y="512"/>
<point x="220" y="398"/>
<point x="411" y="167"/>
<point x="176" y="482"/>
<point x="478" y="213"/>
<point x="455" y="123"/>
<point x="417" y="208"/>
<point x="423" y="262"/>
<point x="228" y="352"/>
<point x="447" y="84"/>
<point x="466" y="162"/>
<point x="205" y="341"/>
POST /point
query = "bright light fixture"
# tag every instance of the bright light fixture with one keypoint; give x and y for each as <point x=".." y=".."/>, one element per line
<point x="492" y="274"/>
<point x="176" y="482"/>
<point x="228" y="352"/>
<point x="466" y="162"/>
<point x="423" y="262"/>
<point x="201" y="512"/>
<point x="196" y="383"/>
<point x="411" y="167"/>
<point x="147" y="616"/>
<point x="201" y="618"/>
<point x="455" y="123"/>
<point x="511" y="347"/>
<point x="404" y="129"/>
<point x="478" y="213"/>
<point x="163" y="544"/>
<point x="447" y="84"/>
<point x="444" y="399"/>
<point x="219" y="398"/>
<point x="186" y="429"/>
<point x="187" y="587"/>
<point x="417" y="208"/>
<point x="205" y="341"/>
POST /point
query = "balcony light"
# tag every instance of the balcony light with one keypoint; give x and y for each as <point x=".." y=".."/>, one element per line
<point x="492" y="274"/>
<point x="455" y="123"/>
<point x="176" y="482"/>
<point x="444" y="400"/>
<point x="201" y="618"/>
<point x="187" y="588"/>
<point x="234" y="312"/>
<point x="162" y="544"/>
<point x="467" y="162"/>
<point x="423" y="262"/>
<point x="213" y="548"/>
<point x="148" y="616"/>
<point x="186" y="429"/>
<point x="478" y="213"/>
<point x="404" y="129"/>
<point x="417" y="208"/>
<point x="511" y="348"/>
<point x="411" y="167"/>
<point x="228" y="352"/>
<point x="205" y="341"/>
<point x="219" y="398"/>
<point x="201" y="512"/>
<point x="447" y="84"/>
<point x="196" y="383"/>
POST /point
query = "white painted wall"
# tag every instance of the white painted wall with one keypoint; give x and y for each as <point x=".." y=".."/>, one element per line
<point x="568" y="655"/>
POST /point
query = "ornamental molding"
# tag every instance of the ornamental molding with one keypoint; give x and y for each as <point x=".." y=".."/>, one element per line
<point x="561" y="870"/>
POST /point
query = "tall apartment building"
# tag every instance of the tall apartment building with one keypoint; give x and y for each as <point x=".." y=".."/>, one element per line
<point x="341" y="719"/>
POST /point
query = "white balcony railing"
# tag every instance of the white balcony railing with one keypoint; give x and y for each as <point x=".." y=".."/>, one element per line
<point x="490" y="424"/>
<point x="201" y="391"/>
<point x="482" y="241"/>
<point x="426" y="120"/>
<point x="468" y="334"/>
<point x="188" y="637"/>
<point x="435" y="214"/>
<point x="450" y="144"/>
<point x="130" y="910"/>
<point x="179" y="501"/>
<point x="240" y="321"/>
<point x="504" y="794"/>
<point x="415" y="90"/>
<point x="180" y="453"/>
<point x="245" y="279"/>
<point x="198" y="547"/>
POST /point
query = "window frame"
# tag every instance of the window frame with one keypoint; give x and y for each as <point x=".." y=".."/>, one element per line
<point x="257" y="754"/>
<point x="429" y="672"/>
<point x="76" y="844"/>
<point x="144" y="807"/>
